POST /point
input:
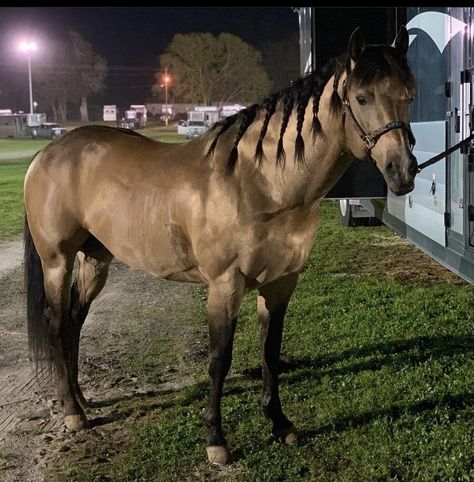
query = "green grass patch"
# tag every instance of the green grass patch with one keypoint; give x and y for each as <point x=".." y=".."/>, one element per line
<point x="12" y="173"/>
<point x="163" y="134"/>
<point x="381" y="340"/>
<point x="13" y="146"/>
<point x="4" y="455"/>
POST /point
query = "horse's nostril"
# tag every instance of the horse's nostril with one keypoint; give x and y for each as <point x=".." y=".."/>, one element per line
<point x="390" y="166"/>
<point x="413" y="169"/>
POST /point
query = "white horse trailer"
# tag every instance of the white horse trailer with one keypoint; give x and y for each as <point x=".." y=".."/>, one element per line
<point x="110" y="113"/>
<point x="438" y="215"/>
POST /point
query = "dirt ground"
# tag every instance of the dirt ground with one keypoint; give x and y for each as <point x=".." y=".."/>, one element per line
<point x="11" y="255"/>
<point x="131" y="313"/>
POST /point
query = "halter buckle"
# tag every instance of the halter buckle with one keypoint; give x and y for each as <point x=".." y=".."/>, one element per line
<point x="369" y="142"/>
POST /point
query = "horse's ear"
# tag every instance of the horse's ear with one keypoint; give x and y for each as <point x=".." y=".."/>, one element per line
<point x="356" y="44"/>
<point x="401" y="41"/>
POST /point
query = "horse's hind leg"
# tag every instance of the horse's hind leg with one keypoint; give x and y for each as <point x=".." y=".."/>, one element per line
<point x="272" y="303"/>
<point x="94" y="261"/>
<point x="57" y="272"/>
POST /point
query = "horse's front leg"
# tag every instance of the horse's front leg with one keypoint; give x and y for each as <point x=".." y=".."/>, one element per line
<point x="272" y="303"/>
<point x="225" y="296"/>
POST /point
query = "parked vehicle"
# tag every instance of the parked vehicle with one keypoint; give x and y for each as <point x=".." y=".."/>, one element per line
<point x="47" y="130"/>
<point x="202" y="117"/>
<point x="110" y="113"/>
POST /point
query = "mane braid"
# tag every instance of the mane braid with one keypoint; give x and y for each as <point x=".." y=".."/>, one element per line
<point x="247" y="116"/>
<point x="335" y="103"/>
<point x="288" y="103"/>
<point x="296" y="96"/>
<point x="225" y="124"/>
<point x="304" y="93"/>
<point x="270" y="106"/>
<point x="316" y="125"/>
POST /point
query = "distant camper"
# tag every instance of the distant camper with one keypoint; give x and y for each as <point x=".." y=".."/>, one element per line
<point x="110" y="113"/>
<point x="141" y="114"/>
<point x="13" y="125"/>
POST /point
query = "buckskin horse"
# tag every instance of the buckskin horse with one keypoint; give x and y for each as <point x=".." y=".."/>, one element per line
<point x="236" y="209"/>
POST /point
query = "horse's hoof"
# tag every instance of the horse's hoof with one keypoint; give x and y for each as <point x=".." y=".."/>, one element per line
<point x="76" y="422"/>
<point x="218" y="454"/>
<point x="286" y="436"/>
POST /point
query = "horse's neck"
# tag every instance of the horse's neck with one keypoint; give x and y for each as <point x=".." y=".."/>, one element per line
<point x="325" y="156"/>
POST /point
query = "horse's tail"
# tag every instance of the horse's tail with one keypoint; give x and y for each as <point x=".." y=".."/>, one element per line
<point x="38" y="325"/>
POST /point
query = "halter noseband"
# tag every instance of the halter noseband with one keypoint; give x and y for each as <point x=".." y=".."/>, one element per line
<point x="370" y="140"/>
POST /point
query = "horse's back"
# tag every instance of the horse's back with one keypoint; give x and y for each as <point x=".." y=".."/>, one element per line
<point x="131" y="193"/>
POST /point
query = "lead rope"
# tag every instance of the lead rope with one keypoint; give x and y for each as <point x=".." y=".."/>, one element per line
<point x="445" y="153"/>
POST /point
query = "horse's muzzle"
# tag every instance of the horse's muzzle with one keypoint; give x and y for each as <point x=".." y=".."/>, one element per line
<point x="404" y="189"/>
<point x="400" y="174"/>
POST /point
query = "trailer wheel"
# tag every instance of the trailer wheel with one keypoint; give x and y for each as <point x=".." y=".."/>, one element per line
<point x="346" y="213"/>
<point x="349" y="220"/>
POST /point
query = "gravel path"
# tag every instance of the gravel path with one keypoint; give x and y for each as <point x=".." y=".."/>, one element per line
<point x="18" y="155"/>
<point x="11" y="253"/>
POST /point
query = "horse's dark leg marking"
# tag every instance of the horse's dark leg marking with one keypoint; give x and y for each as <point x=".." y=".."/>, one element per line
<point x="57" y="276"/>
<point x="91" y="278"/>
<point x="223" y="304"/>
<point x="272" y="303"/>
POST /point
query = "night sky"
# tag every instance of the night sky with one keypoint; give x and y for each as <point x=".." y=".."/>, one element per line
<point x="135" y="37"/>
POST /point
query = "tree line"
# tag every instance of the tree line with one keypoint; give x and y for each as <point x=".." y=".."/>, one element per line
<point x="203" y="69"/>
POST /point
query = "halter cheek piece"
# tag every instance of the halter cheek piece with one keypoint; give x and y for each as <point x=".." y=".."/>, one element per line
<point x="370" y="140"/>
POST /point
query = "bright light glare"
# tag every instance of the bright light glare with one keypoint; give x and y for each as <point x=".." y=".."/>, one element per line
<point x="26" y="46"/>
<point x="167" y="79"/>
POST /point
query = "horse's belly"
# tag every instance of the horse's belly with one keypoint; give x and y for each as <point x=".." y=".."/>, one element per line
<point x="164" y="251"/>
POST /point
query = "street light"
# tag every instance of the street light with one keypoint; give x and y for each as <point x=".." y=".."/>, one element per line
<point x="28" y="47"/>
<point x="166" y="81"/>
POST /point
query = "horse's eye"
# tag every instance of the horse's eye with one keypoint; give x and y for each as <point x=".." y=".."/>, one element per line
<point x="411" y="99"/>
<point x="361" y="99"/>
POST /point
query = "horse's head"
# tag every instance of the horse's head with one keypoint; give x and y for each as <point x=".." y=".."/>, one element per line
<point x="376" y="95"/>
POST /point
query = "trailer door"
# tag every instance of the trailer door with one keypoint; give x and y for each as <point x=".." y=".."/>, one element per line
<point x="467" y="123"/>
<point x="460" y="220"/>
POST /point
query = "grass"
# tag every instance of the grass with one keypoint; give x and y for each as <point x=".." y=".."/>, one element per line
<point x="12" y="173"/>
<point x="4" y="455"/>
<point x="162" y="134"/>
<point x="380" y="387"/>
<point x="13" y="146"/>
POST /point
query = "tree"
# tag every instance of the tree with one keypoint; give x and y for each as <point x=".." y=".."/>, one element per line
<point x="282" y="61"/>
<point x="208" y="69"/>
<point x="54" y="80"/>
<point x="71" y="72"/>
<point x="90" y="69"/>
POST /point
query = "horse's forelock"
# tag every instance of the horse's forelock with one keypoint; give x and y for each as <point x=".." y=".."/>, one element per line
<point x="378" y="62"/>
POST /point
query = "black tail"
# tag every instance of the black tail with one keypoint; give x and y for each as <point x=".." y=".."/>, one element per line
<point x="38" y="324"/>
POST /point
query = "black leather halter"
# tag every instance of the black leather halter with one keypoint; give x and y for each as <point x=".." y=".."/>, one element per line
<point x="371" y="139"/>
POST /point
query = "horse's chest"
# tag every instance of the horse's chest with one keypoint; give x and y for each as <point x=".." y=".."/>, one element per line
<point x="290" y="251"/>
<point x="279" y="250"/>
